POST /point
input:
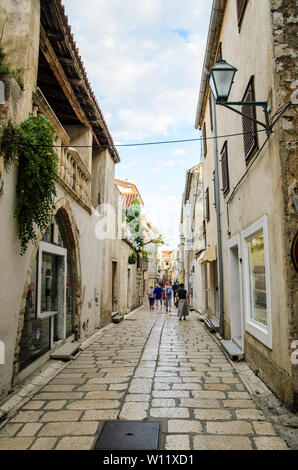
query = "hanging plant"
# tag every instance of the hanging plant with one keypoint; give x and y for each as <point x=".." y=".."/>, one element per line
<point x="145" y="255"/>
<point x="133" y="220"/>
<point x="132" y="259"/>
<point x="30" y="146"/>
<point x="5" y="69"/>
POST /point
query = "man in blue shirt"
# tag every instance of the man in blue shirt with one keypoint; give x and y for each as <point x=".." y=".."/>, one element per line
<point x="157" y="295"/>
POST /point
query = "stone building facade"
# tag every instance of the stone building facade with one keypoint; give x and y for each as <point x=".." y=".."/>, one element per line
<point x="75" y="265"/>
<point x="250" y="185"/>
<point x="194" y="245"/>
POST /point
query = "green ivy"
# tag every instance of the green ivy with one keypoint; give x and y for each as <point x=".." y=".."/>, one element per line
<point x="30" y="146"/>
<point x="145" y="255"/>
<point x="133" y="219"/>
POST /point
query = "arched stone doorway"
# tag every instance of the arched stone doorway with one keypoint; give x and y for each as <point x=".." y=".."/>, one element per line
<point x="51" y="303"/>
<point x="69" y="235"/>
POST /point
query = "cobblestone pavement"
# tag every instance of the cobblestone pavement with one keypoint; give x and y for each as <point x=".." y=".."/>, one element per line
<point x="148" y="367"/>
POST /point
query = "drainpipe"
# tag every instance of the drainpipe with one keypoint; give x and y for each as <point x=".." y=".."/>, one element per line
<point x="217" y="201"/>
<point x="205" y="242"/>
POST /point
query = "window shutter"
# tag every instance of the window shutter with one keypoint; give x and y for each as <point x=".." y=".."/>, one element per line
<point x="214" y="189"/>
<point x="210" y="109"/>
<point x="225" y="169"/>
<point x="207" y="204"/>
<point x="204" y="140"/>
<point x="250" y="136"/>
<point x="241" y="5"/>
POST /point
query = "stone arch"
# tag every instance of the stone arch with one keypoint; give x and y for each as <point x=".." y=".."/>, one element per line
<point x="68" y="227"/>
<point x="65" y="218"/>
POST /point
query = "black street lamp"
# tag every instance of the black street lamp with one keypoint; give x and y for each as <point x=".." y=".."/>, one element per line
<point x="221" y="81"/>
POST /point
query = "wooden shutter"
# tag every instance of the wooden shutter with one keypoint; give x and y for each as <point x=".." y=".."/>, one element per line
<point x="214" y="189"/>
<point x="241" y="5"/>
<point x="225" y="168"/>
<point x="210" y="109"/>
<point x="204" y="140"/>
<point x="207" y="204"/>
<point x="250" y="136"/>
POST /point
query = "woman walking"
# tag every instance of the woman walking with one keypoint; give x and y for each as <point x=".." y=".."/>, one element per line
<point x="183" y="302"/>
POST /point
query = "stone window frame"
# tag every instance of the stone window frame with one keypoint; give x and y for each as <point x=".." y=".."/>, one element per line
<point x="262" y="332"/>
<point x="240" y="7"/>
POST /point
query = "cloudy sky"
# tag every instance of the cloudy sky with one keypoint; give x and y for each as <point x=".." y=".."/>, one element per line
<point x="144" y="59"/>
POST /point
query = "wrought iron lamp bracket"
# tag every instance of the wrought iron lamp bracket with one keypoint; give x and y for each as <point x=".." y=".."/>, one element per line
<point x="263" y="104"/>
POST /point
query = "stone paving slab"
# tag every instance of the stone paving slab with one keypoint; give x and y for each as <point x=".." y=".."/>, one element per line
<point x="152" y="368"/>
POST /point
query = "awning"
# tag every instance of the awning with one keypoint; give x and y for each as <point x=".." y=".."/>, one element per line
<point x="208" y="256"/>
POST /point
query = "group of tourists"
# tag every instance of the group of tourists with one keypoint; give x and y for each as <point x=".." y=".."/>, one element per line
<point x="164" y="296"/>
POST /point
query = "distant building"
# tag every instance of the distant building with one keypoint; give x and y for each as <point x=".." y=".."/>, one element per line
<point x="192" y="229"/>
<point x="141" y="275"/>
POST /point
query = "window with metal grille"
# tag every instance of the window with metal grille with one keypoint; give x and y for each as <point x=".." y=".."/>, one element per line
<point x="207" y="204"/>
<point x="225" y="168"/>
<point x="250" y="136"/>
<point x="204" y="140"/>
<point x="241" y="6"/>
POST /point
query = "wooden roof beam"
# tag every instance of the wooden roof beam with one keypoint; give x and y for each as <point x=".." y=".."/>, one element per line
<point x="62" y="79"/>
<point x="65" y="60"/>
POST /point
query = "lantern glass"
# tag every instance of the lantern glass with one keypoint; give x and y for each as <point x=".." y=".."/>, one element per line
<point x="221" y="80"/>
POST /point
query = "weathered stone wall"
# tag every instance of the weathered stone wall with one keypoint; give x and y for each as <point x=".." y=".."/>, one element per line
<point x="105" y="197"/>
<point x="92" y="256"/>
<point x="284" y="36"/>
<point x="19" y="21"/>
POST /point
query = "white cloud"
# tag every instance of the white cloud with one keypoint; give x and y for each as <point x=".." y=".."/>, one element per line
<point x="166" y="162"/>
<point x="129" y="164"/>
<point x="179" y="152"/>
<point x="143" y="59"/>
<point x="144" y="73"/>
<point x="164" y="212"/>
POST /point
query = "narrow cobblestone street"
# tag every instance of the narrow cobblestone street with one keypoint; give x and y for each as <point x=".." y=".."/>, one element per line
<point x="148" y="367"/>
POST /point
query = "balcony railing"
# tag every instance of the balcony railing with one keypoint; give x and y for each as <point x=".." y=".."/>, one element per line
<point x="74" y="176"/>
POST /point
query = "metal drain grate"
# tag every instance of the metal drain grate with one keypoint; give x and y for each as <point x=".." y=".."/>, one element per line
<point x="129" y="435"/>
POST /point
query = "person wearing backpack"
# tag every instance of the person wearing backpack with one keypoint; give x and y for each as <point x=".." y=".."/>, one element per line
<point x="169" y="296"/>
<point x="151" y="298"/>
